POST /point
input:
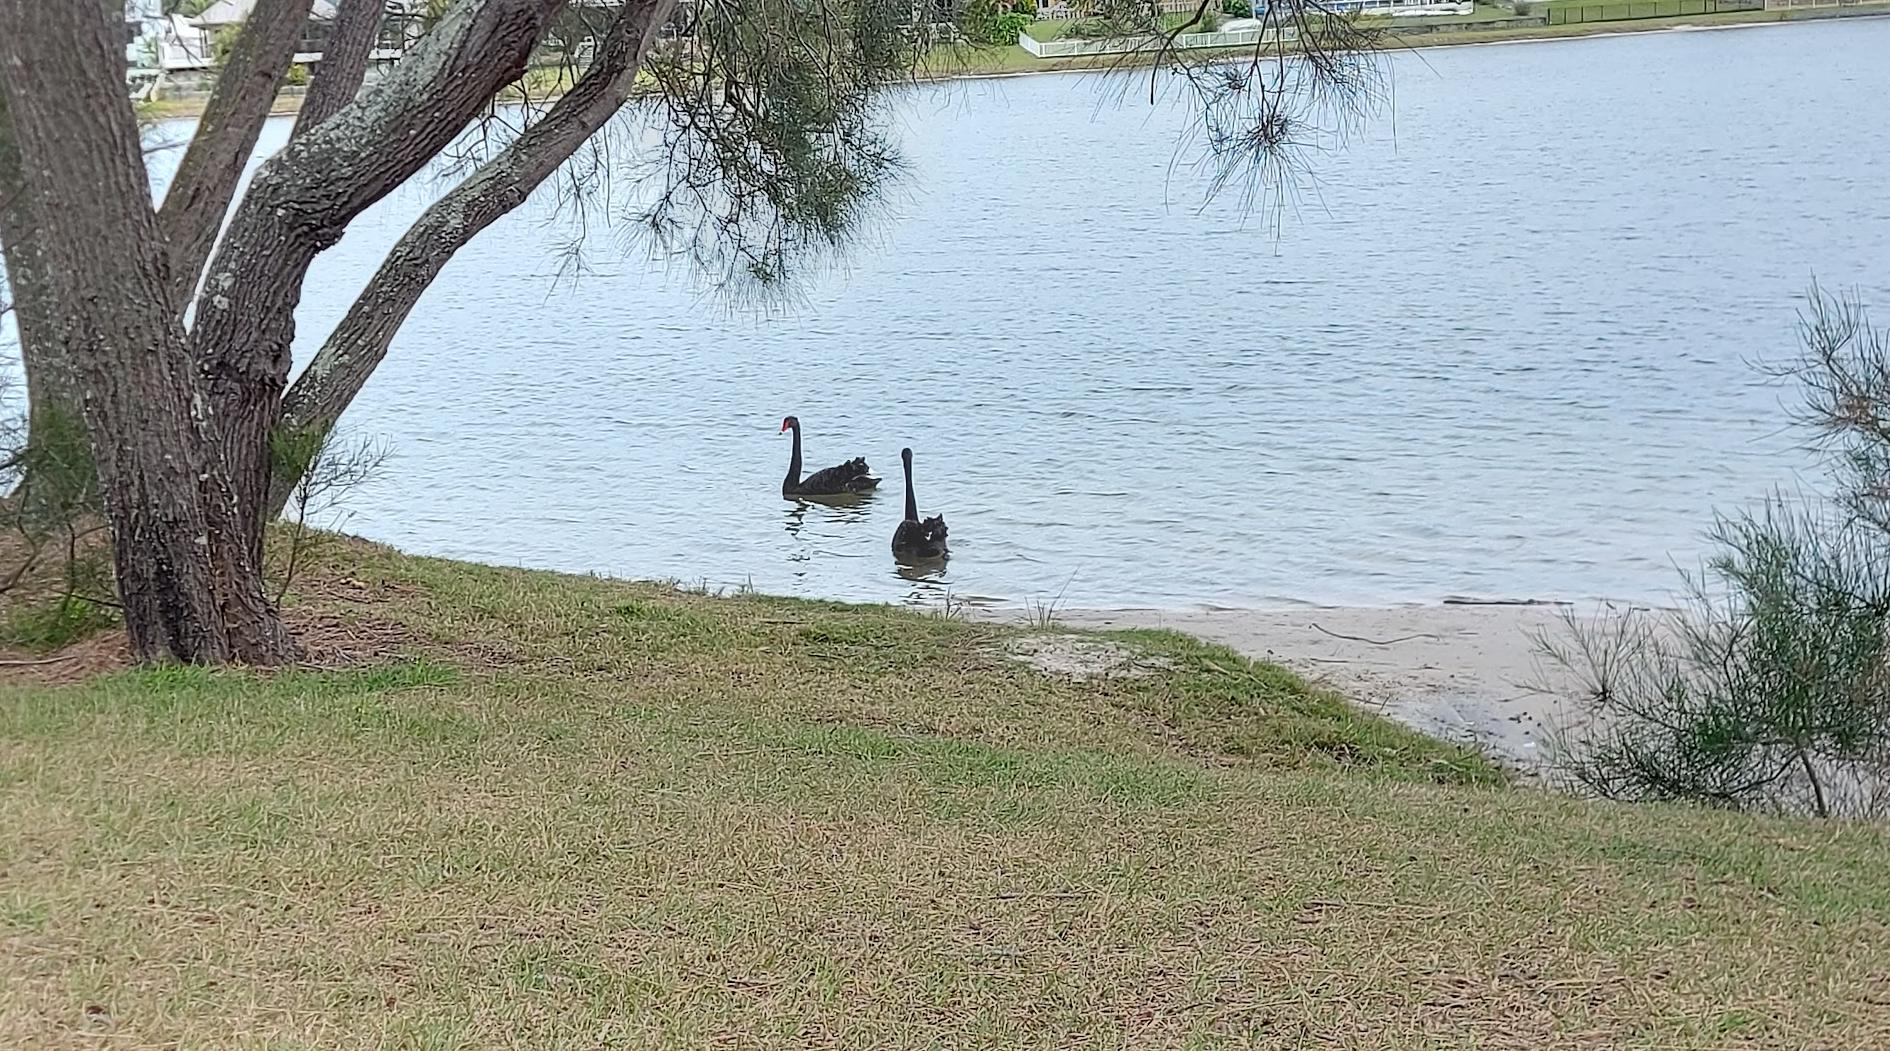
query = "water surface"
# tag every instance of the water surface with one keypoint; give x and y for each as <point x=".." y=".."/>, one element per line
<point x="1499" y="349"/>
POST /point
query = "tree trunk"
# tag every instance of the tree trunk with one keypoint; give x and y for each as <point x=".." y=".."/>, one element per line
<point x="50" y="391"/>
<point x="188" y="592"/>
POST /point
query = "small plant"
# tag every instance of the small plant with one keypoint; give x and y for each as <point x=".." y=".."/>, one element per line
<point x="222" y="42"/>
<point x="1041" y="613"/>
<point x="979" y="21"/>
<point x="57" y="575"/>
<point x="1010" y="26"/>
<point x="952" y="608"/>
<point x="297" y="76"/>
<point x="328" y="471"/>
<point x="1771" y="690"/>
<point x="1027" y="8"/>
<point x="993" y="24"/>
<point x="64" y="621"/>
<point x="1237" y="8"/>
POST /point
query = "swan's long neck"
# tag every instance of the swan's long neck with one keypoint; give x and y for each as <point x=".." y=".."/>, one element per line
<point x="912" y="502"/>
<point x="794" y="465"/>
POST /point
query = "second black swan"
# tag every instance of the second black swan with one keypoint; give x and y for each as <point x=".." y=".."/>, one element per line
<point x="915" y="539"/>
<point x="847" y="479"/>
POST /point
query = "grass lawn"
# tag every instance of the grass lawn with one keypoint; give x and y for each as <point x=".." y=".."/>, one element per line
<point x="1483" y="13"/>
<point x="525" y="810"/>
<point x="1045" y="31"/>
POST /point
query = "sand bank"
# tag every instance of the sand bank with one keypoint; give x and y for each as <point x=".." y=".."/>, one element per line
<point x="1463" y="672"/>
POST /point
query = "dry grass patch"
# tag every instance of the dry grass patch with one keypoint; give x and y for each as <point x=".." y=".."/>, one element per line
<point x="667" y="820"/>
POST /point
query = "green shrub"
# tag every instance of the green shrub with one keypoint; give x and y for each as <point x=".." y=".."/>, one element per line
<point x="222" y="42"/>
<point x="1237" y="8"/>
<point x="1009" y="26"/>
<point x="979" y="21"/>
<point x="297" y="76"/>
<point x="57" y="624"/>
<point x="988" y="23"/>
<point x="1770" y="691"/>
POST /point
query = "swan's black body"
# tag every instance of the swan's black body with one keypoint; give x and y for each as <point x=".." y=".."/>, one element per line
<point x="916" y="539"/>
<point x="847" y="479"/>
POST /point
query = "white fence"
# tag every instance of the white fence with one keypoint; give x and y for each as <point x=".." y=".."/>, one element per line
<point x="1125" y="45"/>
<point x="1245" y="36"/>
<point x="1399" y="8"/>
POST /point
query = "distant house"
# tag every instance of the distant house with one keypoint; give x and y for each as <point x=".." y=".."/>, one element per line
<point x="191" y="43"/>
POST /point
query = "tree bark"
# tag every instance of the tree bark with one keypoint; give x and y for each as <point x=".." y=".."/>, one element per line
<point x="302" y="199"/>
<point x="188" y="593"/>
<point x="359" y="343"/>
<point x="50" y="391"/>
<point x="344" y="61"/>
<point x="207" y="178"/>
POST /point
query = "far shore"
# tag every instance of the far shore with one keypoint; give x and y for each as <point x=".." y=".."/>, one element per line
<point x="1013" y="61"/>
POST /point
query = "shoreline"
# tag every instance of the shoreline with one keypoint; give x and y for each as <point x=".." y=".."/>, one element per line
<point x="1467" y="673"/>
<point x="994" y="68"/>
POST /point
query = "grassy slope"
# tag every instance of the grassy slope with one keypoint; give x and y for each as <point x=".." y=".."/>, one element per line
<point x="578" y="813"/>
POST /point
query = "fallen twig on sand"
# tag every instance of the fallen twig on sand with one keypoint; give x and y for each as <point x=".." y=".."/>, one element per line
<point x="1375" y="642"/>
<point x="34" y="664"/>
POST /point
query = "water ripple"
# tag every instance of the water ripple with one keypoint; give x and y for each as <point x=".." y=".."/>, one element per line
<point x="1506" y="354"/>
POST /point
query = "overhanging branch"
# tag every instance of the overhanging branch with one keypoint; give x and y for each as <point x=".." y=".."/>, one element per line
<point x="360" y="341"/>
<point x="303" y="198"/>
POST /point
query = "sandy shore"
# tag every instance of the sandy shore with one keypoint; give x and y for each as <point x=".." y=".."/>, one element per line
<point x="1463" y="672"/>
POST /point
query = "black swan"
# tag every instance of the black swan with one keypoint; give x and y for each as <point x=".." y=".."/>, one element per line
<point x="848" y="478"/>
<point x="915" y="539"/>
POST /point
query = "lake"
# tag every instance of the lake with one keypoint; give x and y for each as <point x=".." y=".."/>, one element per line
<point x="1500" y="348"/>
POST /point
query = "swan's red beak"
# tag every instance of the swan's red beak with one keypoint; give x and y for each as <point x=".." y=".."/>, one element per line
<point x="784" y="426"/>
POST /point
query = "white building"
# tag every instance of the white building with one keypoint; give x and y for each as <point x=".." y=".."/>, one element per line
<point x="177" y="43"/>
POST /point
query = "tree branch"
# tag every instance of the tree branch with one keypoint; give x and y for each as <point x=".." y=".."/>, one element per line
<point x="302" y="200"/>
<point x="359" y="343"/>
<point x="344" y="62"/>
<point x="207" y="177"/>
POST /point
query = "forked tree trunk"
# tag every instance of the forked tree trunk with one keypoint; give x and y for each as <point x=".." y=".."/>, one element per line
<point x="189" y="593"/>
